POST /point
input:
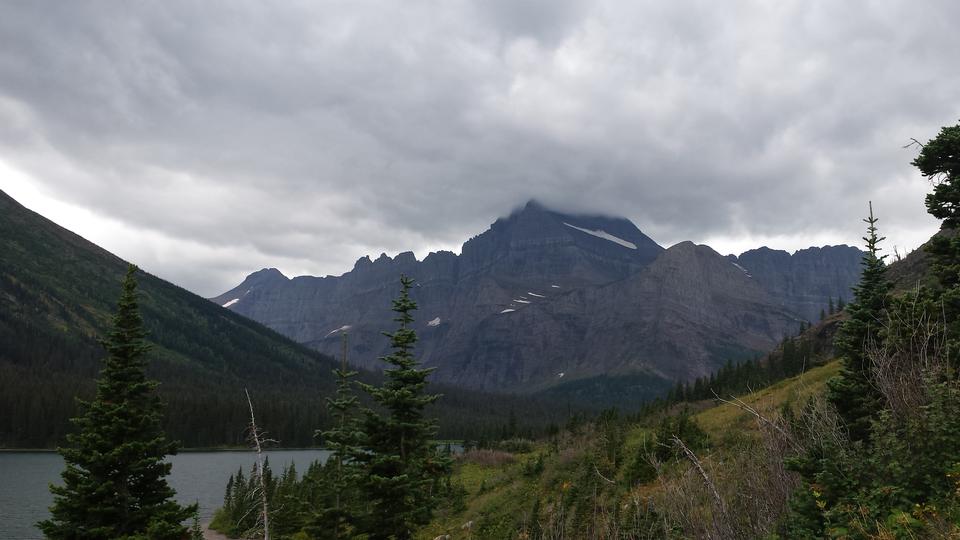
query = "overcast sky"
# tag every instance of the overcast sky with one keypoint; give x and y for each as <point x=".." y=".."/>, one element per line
<point x="205" y="140"/>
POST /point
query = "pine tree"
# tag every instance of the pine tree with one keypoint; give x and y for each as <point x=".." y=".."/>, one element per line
<point x="398" y="460"/>
<point x="939" y="160"/>
<point x="334" y="519"/>
<point x="856" y="399"/>
<point x="114" y="484"/>
<point x="196" y="531"/>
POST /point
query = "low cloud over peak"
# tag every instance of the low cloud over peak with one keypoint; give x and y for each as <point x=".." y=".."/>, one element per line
<point x="238" y="136"/>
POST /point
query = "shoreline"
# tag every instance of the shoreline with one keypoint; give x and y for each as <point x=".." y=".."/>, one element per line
<point x="210" y="449"/>
<point x="181" y="451"/>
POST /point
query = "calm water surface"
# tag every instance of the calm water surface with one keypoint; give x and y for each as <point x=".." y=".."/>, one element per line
<point x="197" y="476"/>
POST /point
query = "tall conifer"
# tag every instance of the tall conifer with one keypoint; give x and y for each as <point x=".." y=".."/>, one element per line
<point x="336" y="519"/>
<point x="114" y="484"/>
<point x="399" y="461"/>
<point x="856" y="399"/>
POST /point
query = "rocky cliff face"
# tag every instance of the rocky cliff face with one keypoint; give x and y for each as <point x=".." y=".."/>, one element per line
<point x="540" y="298"/>
<point x="680" y="317"/>
<point x="805" y="281"/>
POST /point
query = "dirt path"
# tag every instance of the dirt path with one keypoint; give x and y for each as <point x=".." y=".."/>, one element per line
<point x="212" y="535"/>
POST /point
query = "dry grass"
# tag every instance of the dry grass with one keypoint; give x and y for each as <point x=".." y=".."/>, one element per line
<point x="488" y="458"/>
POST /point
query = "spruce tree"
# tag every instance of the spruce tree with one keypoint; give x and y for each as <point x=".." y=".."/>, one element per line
<point x="939" y="160"/>
<point x="334" y="520"/>
<point x="114" y="484"/>
<point x="399" y="462"/>
<point x="853" y="395"/>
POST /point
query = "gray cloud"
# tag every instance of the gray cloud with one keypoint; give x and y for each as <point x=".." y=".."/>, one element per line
<point x="242" y="134"/>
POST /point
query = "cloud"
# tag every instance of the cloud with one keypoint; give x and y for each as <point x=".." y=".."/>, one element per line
<point x="304" y="135"/>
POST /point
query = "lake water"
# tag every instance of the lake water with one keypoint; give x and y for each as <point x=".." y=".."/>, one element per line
<point x="197" y="477"/>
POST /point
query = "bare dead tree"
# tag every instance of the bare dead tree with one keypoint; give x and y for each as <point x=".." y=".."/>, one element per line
<point x="720" y="521"/>
<point x="256" y="438"/>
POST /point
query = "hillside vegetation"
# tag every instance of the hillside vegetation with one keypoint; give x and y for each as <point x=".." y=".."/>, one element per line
<point x="594" y="480"/>
<point x="57" y="292"/>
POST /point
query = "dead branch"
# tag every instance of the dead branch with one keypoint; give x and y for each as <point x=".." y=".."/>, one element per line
<point x="255" y="437"/>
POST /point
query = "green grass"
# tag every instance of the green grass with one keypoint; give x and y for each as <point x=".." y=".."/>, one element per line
<point x="492" y="495"/>
<point x="499" y="498"/>
<point x="720" y="420"/>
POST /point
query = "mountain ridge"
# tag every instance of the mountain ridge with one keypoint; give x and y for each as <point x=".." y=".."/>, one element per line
<point x="555" y="274"/>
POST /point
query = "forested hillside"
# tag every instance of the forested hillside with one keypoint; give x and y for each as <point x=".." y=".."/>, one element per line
<point x="57" y="291"/>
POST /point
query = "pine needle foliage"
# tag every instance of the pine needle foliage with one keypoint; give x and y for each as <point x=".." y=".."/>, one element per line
<point x="939" y="160"/>
<point x="335" y="519"/>
<point x="114" y="484"/>
<point x="399" y="463"/>
<point x="856" y="399"/>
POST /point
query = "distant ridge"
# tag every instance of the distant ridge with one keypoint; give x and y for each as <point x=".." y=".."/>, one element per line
<point x="543" y="293"/>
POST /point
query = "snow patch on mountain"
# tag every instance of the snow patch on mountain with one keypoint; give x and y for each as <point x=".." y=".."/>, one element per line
<point x="434" y="322"/>
<point x="508" y="310"/>
<point x="343" y="328"/>
<point x="535" y="294"/>
<point x="605" y="235"/>
<point x="742" y="269"/>
<point x="232" y="302"/>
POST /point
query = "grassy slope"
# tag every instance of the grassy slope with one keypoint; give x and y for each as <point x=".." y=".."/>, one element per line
<point x="500" y="496"/>
<point x="726" y="418"/>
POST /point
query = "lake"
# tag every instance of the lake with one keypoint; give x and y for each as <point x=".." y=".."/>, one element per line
<point x="197" y="477"/>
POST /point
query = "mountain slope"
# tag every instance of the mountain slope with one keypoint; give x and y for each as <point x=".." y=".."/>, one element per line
<point x="680" y="317"/>
<point x="805" y="281"/>
<point x="543" y="297"/>
<point x="57" y="293"/>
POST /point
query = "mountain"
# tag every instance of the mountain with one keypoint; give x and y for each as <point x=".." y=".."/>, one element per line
<point x="804" y="281"/>
<point x="57" y="295"/>
<point x="543" y="299"/>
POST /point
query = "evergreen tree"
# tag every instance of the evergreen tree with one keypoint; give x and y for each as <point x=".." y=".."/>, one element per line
<point x="939" y="160"/>
<point x="856" y="399"/>
<point x="114" y="484"/>
<point x="399" y="462"/>
<point x="196" y="531"/>
<point x="336" y="516"/>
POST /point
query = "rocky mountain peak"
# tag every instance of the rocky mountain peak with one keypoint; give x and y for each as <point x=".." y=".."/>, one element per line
<point x="264" y="276"/>
<point x="542" y="292"/>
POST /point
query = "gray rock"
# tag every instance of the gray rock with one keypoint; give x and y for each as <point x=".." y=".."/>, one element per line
<point x="543" y="297"/>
